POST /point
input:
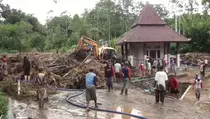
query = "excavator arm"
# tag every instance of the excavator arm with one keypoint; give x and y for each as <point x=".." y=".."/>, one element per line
<point x="91" y="42"/>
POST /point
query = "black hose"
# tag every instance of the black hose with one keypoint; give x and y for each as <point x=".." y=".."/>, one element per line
<point x="81" y="106"/>
<point x="102" y="110"/>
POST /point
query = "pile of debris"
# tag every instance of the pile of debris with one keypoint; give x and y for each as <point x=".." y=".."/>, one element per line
<point x="194" y="58"/>
<point x="69" y="70"/>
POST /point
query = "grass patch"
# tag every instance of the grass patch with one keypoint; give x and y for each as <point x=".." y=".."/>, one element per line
<point x="3" y="106"/>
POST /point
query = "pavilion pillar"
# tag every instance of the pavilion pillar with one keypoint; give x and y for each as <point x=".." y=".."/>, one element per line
<point x="144" y="53"/>
<point x="122" y="51"/>
<point x="168" y="55"/>
<point x="178" y="54"/>
<point x="126" y="50"/>
<point x="165" y="51"/>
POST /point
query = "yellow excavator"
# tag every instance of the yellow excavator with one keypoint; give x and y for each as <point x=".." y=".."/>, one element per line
<point x="102" y="53"/>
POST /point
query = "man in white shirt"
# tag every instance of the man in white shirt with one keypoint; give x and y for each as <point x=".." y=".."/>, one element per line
<point x="149" y="67"/>
<point x="130" y="59"/>
<point x="117" y="67"/>
<point x="160" y="79"/>
<point x="206" y="61"/>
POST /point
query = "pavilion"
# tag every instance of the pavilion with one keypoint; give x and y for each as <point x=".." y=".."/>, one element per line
<point x="150" y="36"/>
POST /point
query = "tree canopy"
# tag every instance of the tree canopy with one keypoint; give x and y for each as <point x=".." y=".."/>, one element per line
<point x="106" y="22"/>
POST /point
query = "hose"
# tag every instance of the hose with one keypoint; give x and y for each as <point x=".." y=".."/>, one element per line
<point x="81" y="106"/>
<point x="102" y="110"/>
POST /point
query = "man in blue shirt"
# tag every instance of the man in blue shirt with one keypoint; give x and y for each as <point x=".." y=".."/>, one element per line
<point x="90" y="81"/>
<point x="126" y="72"/>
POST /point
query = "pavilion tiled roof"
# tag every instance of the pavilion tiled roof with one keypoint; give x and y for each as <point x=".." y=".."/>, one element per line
<point x="149" y="27"/>
<point x="148" y="16"/>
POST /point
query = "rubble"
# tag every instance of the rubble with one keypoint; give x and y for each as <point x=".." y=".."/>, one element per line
<point x="68" y="69"/>
<point x="193" y="58"/>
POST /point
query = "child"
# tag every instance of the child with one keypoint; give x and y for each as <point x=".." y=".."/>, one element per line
<point x="198" y="85"/>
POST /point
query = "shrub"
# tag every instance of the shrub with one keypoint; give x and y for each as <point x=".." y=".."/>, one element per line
<point x="3" y="105"/>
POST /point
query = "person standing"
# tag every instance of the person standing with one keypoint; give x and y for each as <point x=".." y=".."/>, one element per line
<point x="90" y="81"/>
<point x="206" y="62"/>
<point x="126" y="72"/>
<point x="149" y="68"/>
<point x="117" y="67"/>
<point x="109" y="75"/>
<point x="4" y="65"/>
<point x="173" y="86"/>
<point x="142" y="68"/>
<point x="198" y="84"/>
<point x="26" y="67"/>
<point x="202" y="69"/>
<point x="160" y="81"/>
<point x="130" y="59"/>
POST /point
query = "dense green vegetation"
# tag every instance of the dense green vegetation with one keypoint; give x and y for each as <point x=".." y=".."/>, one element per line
<point x="109" y="20"/>
<point x="3" y="106"/>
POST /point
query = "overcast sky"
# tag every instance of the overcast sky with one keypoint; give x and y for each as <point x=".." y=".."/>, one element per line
<point x="40" y="8"/>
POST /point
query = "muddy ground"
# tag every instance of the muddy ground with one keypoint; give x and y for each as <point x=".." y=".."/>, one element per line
<point x="137" y="102"/>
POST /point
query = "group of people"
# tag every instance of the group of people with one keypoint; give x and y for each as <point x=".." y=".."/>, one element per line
<point x="117" y="72"/>
<point x="120" y="72"/>
<point x="151" y="66"/>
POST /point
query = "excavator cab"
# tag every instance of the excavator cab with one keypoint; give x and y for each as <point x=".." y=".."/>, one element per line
<point x="106" y="53"/>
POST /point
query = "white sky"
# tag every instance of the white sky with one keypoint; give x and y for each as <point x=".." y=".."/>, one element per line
<point x="40" y="8"/>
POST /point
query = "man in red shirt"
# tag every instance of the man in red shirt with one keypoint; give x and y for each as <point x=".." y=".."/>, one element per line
<point x="142" y="68"/>
<point x="4" y="65"/>
<point x="109" y="75"/>
<point x="173" y="86"/>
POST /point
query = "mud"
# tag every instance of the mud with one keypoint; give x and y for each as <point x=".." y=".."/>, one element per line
<point x="136" y="102"/>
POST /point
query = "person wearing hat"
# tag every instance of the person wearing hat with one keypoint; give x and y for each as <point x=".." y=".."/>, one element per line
<point x="198" y="84"/>
<point x="90" y="82"/>
<point x="126" y="72"/>
<point x="173" y="86"/>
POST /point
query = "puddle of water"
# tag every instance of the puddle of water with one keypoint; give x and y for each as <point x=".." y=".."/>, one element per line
<point x="125" y="109"/>
<point x="10" y="112"/>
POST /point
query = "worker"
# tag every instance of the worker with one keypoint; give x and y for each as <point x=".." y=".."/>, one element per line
<point x="173" y="86"/>
<point x="202" y="69"/>
<point x="117" y="67"/>
<point x="109" y="75"/>
<point x="130" y="59"/>
<point x="1" y="76"/>
<point x="198" y="84"/>
<point x="142" y="68"/>
<point x="90" y="81"/>
<point x="126" y="72"/>
<point x="149" y="68"/>
<point x="4" y="65"/>
<point x="160" y="85"/>
<point x="26" y="68"/>
<point x="41" y="81"/>
<point x="206" y="62"/>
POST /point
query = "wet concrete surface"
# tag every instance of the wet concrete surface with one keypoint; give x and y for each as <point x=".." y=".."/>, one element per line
<point x="137" y="102"/>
